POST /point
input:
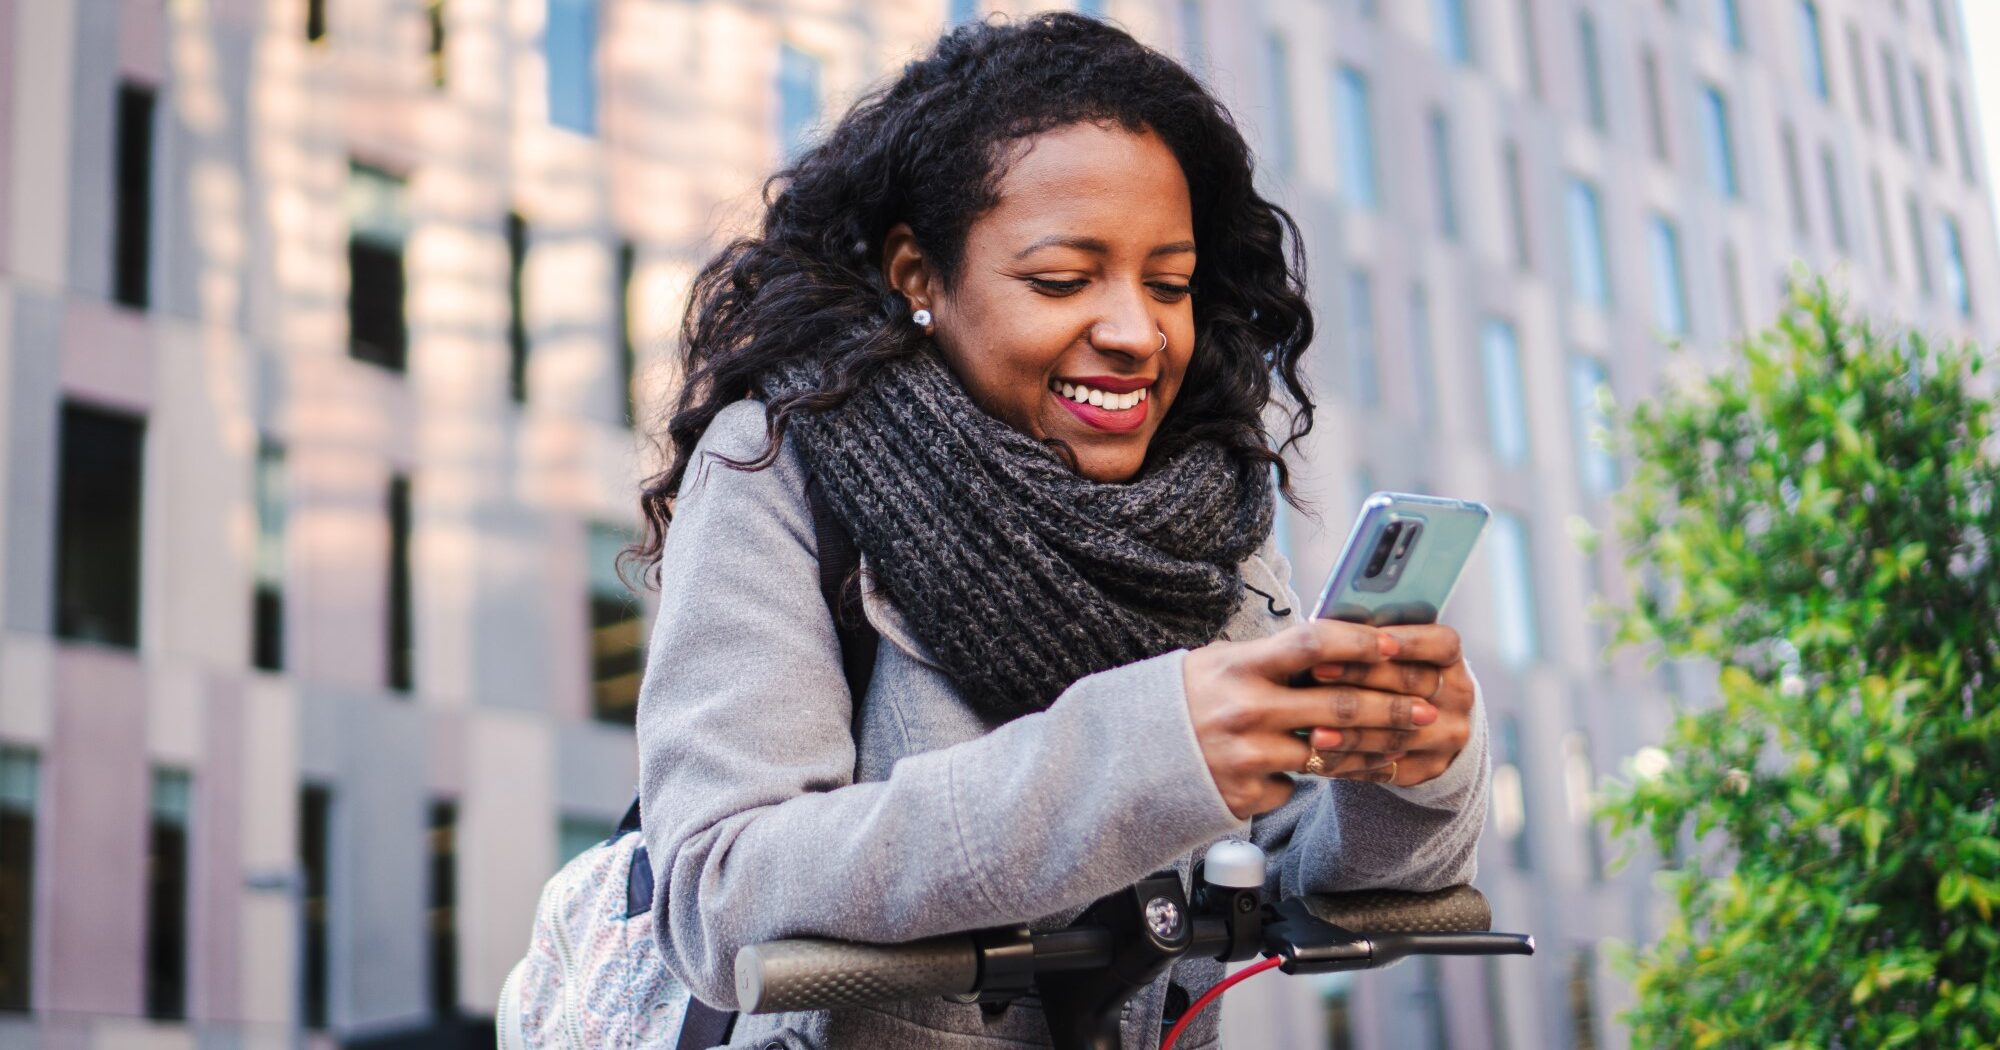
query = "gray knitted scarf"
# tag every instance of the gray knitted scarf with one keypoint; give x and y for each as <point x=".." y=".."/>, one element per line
<point x="1020" y="575"/>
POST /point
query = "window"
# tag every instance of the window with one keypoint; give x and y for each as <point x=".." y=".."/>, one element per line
<point x="315" y="20"/>
<point x="1926" y="116"/>
<point x="1364" y="372"/>
<point x="434" y="9"/>
<point x="571" y="43"/>
<point x="1732" y="289"/>
<point x="1506" y="412"/>
<point x="1812" y="50"/>
<point x="315" y="855"/>
<point x="1582" y="1002"/>
<point x="1357" y="138"/>
<point x="1589" y="263"/>
<point x="1656" y="107"/>
<point x="1941" y="18"/>
<point x="97" y="526"/>
<point x="267" y="604"/>
<point x="1516" y="632"/>
<point x="1918" y="248"/>
<point x="1093" y="8"/>
<point x="167" y="896"/>
<point x="1517" y="200"/>
<point x="798" y="99"/>
<point x="442" y="914"/>
<point x="1278" y="67"/>
<point x="378" y="222"/>
<point x="1531" y="50"/>
<point x="962" y="11"/>
<point x="1836" y="207"/>
<point x="1795" y="184"/>
<point x="1670" y="309"/>
<point x="1882" y="225"/>
<point x="575" y="834"/>
<point x="132" y="244"/>
<point x="628" y="354"/>
<point x="20" y="776"/>
<point x="1857" y="58"/>
<point x="1441" y="171"/>
<point x="402" y="618"/>
<point x="1729" y="23"/>
<point x="1721" y="142"/>
<point x="1589" y="393"/>
<point x="1509" y="790"/>
<point x="1430" y="1012"/>
<point x="617" y="631"/>
<point x="1336" y="1008"/>
<point x="1453" y="24"/>
<point x="1968" y="165"/>
<point x="1194" y="42"/>
<point x="517" y="311"/>
<point x="1898" y="122"/>
<point x="1957" y="286"/>
<point x="1423" y="366"/>
<point x="1593" y="72"/>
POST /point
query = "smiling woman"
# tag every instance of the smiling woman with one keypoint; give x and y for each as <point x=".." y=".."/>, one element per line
<point x="1011" y="332"/>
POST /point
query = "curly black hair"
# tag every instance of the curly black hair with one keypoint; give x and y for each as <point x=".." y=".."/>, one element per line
<point x="931" y="149"/>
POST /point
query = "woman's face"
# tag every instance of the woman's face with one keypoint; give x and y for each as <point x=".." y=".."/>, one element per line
<point x="1055" y="321"/>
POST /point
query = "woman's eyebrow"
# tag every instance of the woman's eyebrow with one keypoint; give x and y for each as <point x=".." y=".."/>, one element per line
<point x="1092" y="244"/>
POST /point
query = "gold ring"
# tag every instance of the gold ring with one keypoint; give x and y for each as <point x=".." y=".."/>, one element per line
<point x="1316" y="766"/>
<point x="1436" y="689"/>
<point x="1392" y="773"/>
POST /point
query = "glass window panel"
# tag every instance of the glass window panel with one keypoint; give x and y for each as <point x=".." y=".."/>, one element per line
<point x="1194" y="39"/>
<point x="1278" y="68"/>
<point x="1453" y="24"/>
<point x="267" y="603"/>
<point x="517" y="308"/>
<point x="1656" y="106"/>
<point x="1836" y="206"/>
<point x="133" y="210"/>
<point x="798" y="98"/>
<point x="1795" y="187"/>
<point x="574" y="834"/>
<point x="401" y="656"/>
<point x="315" y="865"/>
<point x="1892" y="85"/>
<point x="1968" y="164"/>
<point x="1357" y="138"/>
<point x="1506" y="411"/>
<point x="617" y="628"/>
<point x="1590" y="274"/>
<point x="1812" y="51"/>
<point x="1957" y="286"/>
<point x="1926" y="116"/>
<point x="1589" y="395"/>
<point x="98" y="514"/>
<point x="1441" y="175"/>
<point x="442" y="911"/>
<point x="1721" y="143"/>
<point x="1593" y="72"/>
<point x="1361" y="338"/>
<point x="1918" y="248"/>
<point x="1729" y="23"/>
<point x="963" y="11"/>
<point x="1517" y="199"/>
<point x="570" y="40"/>
<point x="1515" y="633"/>
<point x="1669" y="281"/>
<point x="20" y="776"/>
<point x="1423" y="366"/>
<point x="1857" y="59"/>
<point x="1886" y="233"/>
<point x="1531" y="49"/>
<point x="167" y="896"/>
<point x="378" y="222"/>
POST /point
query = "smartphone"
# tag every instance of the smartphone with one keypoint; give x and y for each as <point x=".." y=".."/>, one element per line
<point x="1402" y="559"/>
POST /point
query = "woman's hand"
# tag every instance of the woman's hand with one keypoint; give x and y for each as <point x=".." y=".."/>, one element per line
<point x="1427" y="664"/>
<point x="1244" y="713"/>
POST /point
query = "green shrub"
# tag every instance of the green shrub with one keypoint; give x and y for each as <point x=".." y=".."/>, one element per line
<point x="1819" y="523"/>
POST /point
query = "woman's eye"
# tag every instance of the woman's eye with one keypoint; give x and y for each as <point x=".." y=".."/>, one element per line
<point x="1056" y="287"/>
<point x="1170" y="292"/>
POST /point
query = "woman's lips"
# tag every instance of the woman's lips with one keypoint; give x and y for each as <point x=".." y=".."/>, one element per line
<point x="1115" y="421"/>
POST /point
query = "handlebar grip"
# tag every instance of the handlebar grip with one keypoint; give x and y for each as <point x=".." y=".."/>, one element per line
<point x="813" y="974"/>
<point x="1455" y="909"/>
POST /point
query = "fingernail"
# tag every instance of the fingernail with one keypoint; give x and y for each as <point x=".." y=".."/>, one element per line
<point x="1388" y="645"/>
<point x="1329" y="672"/>
<point x="1332" y="740"/>
<point x="1423" y="714"/>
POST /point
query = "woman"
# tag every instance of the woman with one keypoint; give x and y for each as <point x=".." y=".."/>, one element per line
<point x="974" y="317"/>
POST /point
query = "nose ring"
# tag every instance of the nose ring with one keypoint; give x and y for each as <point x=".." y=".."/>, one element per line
<point x="1163" y="341"/>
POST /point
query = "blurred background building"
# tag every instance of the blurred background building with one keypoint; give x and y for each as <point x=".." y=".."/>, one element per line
<point x="333" y="334"/>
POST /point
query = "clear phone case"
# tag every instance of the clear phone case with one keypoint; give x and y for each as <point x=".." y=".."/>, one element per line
<point x="1402" y="560"/>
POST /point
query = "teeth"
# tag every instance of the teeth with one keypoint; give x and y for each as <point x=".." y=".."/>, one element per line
<point x="1101" y="398"/>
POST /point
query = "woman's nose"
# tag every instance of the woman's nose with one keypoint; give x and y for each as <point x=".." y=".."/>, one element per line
<point x="1129" y="329"/>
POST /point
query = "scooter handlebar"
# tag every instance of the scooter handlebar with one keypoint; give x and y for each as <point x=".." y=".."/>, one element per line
<point x="814" y="974"/>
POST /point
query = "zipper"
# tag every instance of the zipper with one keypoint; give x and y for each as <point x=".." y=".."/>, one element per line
<point x="567" y="961"/>
<point x="508" y="1030"/>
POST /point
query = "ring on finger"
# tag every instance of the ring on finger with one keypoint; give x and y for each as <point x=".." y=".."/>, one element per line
<point x="1436" y="689"/>
<point x="1315" y="764"/>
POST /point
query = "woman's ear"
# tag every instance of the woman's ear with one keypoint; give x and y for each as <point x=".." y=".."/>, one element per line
<point x="907" y="269"/>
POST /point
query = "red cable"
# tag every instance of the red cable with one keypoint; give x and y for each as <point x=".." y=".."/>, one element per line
<point x="1216" y="993"/>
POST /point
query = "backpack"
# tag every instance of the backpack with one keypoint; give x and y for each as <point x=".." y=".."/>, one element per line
<point x="593" y="976"/>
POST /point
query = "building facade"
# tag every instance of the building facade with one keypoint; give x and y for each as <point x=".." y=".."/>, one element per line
<point x="334" y="333"/>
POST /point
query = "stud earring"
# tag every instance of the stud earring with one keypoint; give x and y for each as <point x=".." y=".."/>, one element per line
<point x="922" y="317"/>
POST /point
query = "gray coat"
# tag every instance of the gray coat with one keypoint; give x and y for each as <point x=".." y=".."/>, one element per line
<point x="777" y="807"/>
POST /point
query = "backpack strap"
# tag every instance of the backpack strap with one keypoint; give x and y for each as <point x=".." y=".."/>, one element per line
<point x="705" y="1026"/>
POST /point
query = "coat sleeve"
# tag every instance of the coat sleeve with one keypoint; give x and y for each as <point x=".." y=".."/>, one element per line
<point x="1337" y="835"/>
<point x="754" y="824"/>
